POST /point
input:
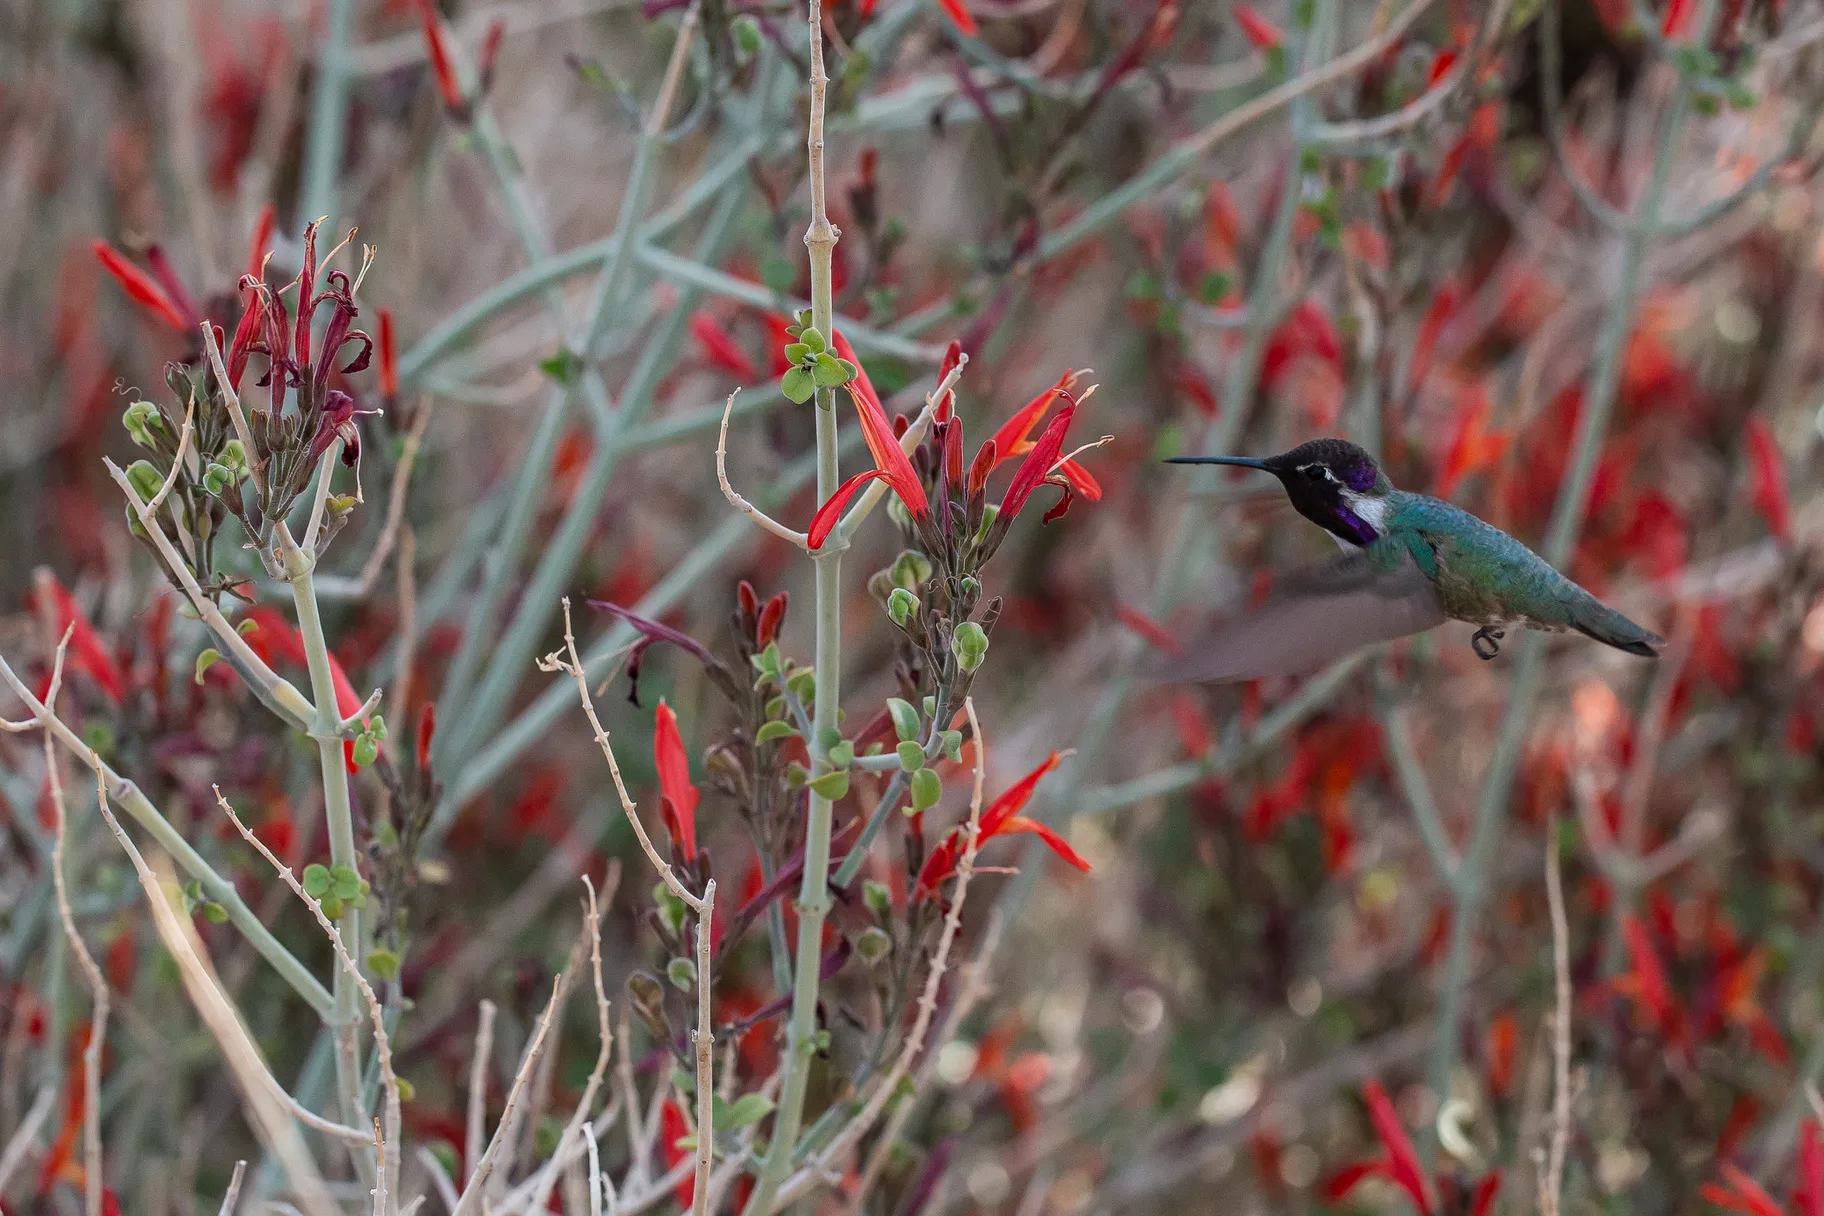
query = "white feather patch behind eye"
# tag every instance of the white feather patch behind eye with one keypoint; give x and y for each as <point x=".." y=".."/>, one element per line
<point x="1372" y="511"/>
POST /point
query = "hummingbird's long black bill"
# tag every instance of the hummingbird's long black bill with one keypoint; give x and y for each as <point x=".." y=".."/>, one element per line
<point x="1245" y="462"/>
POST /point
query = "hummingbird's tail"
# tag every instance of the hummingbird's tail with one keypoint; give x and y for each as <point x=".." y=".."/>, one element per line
<point x="1597" y="620"/>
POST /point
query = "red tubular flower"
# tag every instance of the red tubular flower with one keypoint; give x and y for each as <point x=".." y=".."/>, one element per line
<point x="1808" y="1196"/>
<point x="1011" y="440"/>
<point x="719" y="349"/>
<point x="1646" y="981"/>
<point x="1767" y="472"/>
<point x="427" y="729"/>
<point x="1037" y="466"/>
<point x="953" y="355"/>
<point x="389" y="360"/>
<point x="893" y="463"/>
<point x="678" y="795"/>
<point x="770" y="617"/>
<point x="830" y="513"/>
<point x="87" y="653"/>
<point x="673" y="1127"/>
<point x="174" y="286"/>
<point x="1740" y="1193"/>
<point x="442" y="68"/>
<point x="262" y="236"/>
<point x="860" y="383"/>
<point x="959" y="16"/>
<point x="490" y="51"/>
<point x="1677" y="17"/>
<point x="1440" y="67"/>
<point x="980" y="467"/>
<point x="1403" y="1168"/>
<point x="141" y="287"/>
<point x="247" y="333"/>
<point x="1261" y="34"/>
<point x="1002" y="818"/>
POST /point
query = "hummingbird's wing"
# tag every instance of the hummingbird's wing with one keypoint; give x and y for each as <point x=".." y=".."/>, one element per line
<point x="1315" y="616"/>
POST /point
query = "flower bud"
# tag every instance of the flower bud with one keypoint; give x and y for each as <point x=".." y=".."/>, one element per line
<point x="681" y="973"/>
<point x="145" y="480"/>
<point x="878" y="896"/>
<point x="970" y="645"/>
<point x="139" y="418"/>
<point x="901" y="605"/>
<point x="911" y="569"/>
<point x="233" y="455"/>
<point x="873" y="944"/>
<point x="217" y="478"/>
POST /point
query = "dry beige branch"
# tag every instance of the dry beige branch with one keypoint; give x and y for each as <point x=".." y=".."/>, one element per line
<point x="1551" y="1183"/>
<point x="98" y="984"/>
<point x="478" y="1088"/>
<point x="789" y="535"/>
<point x="383" y="1050"/>
<point x="470" y="1198"/>
<point x="233" y="1193"/>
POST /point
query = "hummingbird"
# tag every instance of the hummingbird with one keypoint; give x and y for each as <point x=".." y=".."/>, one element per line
<point x="1410" y="563"/>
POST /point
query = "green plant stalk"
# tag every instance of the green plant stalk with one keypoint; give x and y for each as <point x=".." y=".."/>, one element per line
<point x="513" y="651"/>
<point x="325" y="140"/>
<point x="1561" y="538"/>
<point x="127" y="796"/>
<point x="338" y="815"/>
<point x="814" y="893"/>
<point x="1188" y="529"/>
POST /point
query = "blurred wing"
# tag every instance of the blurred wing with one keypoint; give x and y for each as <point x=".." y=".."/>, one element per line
<point x="1314" y="617"/>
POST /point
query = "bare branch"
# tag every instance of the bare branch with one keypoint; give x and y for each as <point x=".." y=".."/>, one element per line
<point x="789" y="535"/>
<point x="1552" y="1183"/>
<point x="478" y="1088"/>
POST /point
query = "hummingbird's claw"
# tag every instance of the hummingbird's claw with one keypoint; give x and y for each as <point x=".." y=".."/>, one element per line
<point x="1486" y="642"/>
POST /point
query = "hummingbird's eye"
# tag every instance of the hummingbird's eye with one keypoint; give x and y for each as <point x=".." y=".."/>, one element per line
<point x="1316" y="472"/>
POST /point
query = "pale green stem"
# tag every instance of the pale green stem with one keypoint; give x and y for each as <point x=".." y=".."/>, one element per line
<point x="1561" y="539"/>
<point x="814" y="894"/>
<point x="339" y="816"/>
<point x="325" y="142"/>
<point x="127" y="797"/>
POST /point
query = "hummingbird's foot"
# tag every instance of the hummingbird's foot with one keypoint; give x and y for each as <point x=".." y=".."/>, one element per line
<point x="1486" y="642"/>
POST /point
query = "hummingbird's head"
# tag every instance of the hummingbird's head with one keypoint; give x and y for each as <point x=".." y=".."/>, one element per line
<point x="1332" y="482"/>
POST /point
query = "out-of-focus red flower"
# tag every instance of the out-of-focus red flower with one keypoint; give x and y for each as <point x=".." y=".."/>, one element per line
<point x="1503" y="1039"/>
<point x="1659" y="534"/>
<point x="1443" y="306"/>
<point x="389" y="359"/>
<point x="274" y="638"/>
<point x="1261" y="34"/>
<point x="262" y="237"/>
<point x="678" y="796"/>
<point x="1440" y="67"/>
<point x="1473" y="446"/>
<point x="953" y="355"/>
<point x="1001" y="818"/>
<point x="1677" y="17"/>
<point x="142" y="288"/>
<point x="1156" y="634"/>
<point x="87" y="653"/>
<point x="1808" y="1195"/>
<point x="1400" y="1166"/>
<point x="1646" y="985"/>
<point x="443" y="68"/>
<point x="1767" y="472"/>
<point x="490" y="52"/>
<point x="960" y="16"/>
<point x="720" y="349"/>
<point x="1740" y="1193"/>
<point x="673" y="1127"/>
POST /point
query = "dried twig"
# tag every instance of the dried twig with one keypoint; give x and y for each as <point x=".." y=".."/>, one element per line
<point x="233" y="1193"/>
<point x="789" y="535"/>
<point x="98" y="984"/>
<point x="470" y="1198"/>
<point x="1552" y="1182"/>
<point x="478" y="1088"/>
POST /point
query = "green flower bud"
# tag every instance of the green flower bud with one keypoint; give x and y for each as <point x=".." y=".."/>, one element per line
<point x="139" y="420"/>
<point x="216" y="478"/>
<point x="878" y="896"/>
<point x="681" y="972"/>
<point x="366" y="750"/>
<point x="911" y="569"/>
<point x="145" y="480"/>
<point x="873" y="944"/>
<point x="233" y="455"/>
<point x="970" y="645"/>
<point x="901" y="604"/>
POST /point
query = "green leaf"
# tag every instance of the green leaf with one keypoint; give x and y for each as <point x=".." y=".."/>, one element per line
<point x="795" y="352"/>
<point x="383" y="963"/>
<point x="345" y="881"/>
<point x="776" y="729"/>
<point x="843" y="754"/>
<point x="798" y="385"/>
<point x="878" y="896"/>
<point x="830" y="372"/>
<point x="911" y="755"/>
<point x="927" y="788"/>
<point x="406" y="1090"/>
<point x="1213" y="287"/>
<point x="316" y="880"/>
<point x="905" y="718"/>
<point x="831" y="785"/>
<point x="214" y="913"/>
<point x="564" y="367"/>
<point x="332" y="906"/>
<point x="953" y="745"/>
<point x="747" y="1110"/>
<point x="204" y="661"/>
<point x="813" y="338"/>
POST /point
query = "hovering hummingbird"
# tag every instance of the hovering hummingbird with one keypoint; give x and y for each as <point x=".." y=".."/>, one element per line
<point x="1411" y="562"/>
